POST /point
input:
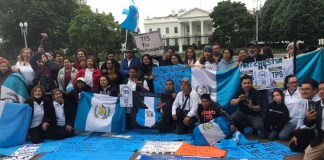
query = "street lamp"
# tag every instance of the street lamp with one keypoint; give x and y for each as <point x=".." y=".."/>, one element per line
<point x="23" y="27"/>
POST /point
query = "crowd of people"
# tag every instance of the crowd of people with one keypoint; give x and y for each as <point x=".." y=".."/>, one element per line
<point x="294" y="113"/>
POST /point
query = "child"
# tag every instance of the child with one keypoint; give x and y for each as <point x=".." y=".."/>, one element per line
<point x="277" y="116"/>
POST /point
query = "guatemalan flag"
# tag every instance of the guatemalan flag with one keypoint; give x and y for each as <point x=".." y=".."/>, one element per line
<point x="100" y="113"/>
<point x="131" y="21"/>
<point x="149" y="116"/>
<point x="14" y="123"/>
<point x="14" y="88"/>
<point x="207" y="133"/>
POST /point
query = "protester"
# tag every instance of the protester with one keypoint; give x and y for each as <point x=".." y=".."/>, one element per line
<point x="59" y="120"/>
<point x="146" y="71"/>
<point x="167" y="98"/>
<point x="184" y="108"/>
<point x="129" y="60"/>
<point x="110" y="56"/>
<point x="253" y="50"/>
<point x="66" y="74"/>
<point x="206" y="59"/>
<point x="242" y="55"/>
<point x="79" y="87"/>
<point x="302" y="134"/>
<point x="91" y="74"/>
<point x="176" y="59"/>
<point x="216" y="52"/>
<point x="39" y="105"/>
<point x="267" y="51"/>
<point x="227" y="61"/>
<point x="250" y="106"/>
<point x="134" y="81"/>
<point x="292" y="99"/>
<point x="107" y="88"/>
<point x="277" y="116"/>
<point x="81" y="54"/>
<point x="315" y="117"/>
<point x="165" y="60"/>
<point x="25" y="68"/>
<point x="190" y="57"/>
<point x="58" y="58"/>
<point x="113" y="72"/>
<point x="208" y="110"/>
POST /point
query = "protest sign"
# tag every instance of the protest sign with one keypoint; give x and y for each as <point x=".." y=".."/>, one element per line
<point x="161" y="146"/>
<point x="150" y="43"/>
<point x="202" y="151"/>
<point x="126" y="99"/>
<point x="267" y="74"/>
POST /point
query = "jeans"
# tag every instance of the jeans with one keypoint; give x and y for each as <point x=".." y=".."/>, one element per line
<point x="286" y="132"/>
<point x="241" y="120"/>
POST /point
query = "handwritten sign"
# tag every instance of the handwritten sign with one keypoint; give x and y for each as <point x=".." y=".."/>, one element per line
<point x="126" y="100"/>
<point x="25" y="152"/>
<point x="270" y="150"/>
<point x="161" y="147"/>
<point x="267" y="74"/>
<point x="150" y="43"/>
<point x="173" y="72"/>
<point x="202" y="151"/>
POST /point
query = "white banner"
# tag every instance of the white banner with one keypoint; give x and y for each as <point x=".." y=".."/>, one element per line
<point x="204" y="81"/>
<point x="150" y="43"/>
<point x="269" y="73"/>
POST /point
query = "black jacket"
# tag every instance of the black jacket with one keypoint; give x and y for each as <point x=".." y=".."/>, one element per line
<point x="45" y="105"/>
<point x="318" y="122"/>
<point x="215" y="110"/>
<point x="277" y="116"/>
<point x="68" y="112"/>
<point x="258" y="57"/>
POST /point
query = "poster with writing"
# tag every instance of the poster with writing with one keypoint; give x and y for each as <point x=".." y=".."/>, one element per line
<point x="150" y="43"/>
<point x="25" y="152"/>
<point x="201" y="151"/>
<point x="173" y="72"/>
<point x="126" y="99"/>
<point x="267" y="74"/>
<point x="160" y="146"/>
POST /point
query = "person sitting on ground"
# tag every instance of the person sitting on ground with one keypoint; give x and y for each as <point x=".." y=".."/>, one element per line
<point x="167" y="99"/>
<point x="250" y="106"/>
<point x="39" y="105"/>
<point x="208" y="110"/>
<point x="207" y="60"/>
<point x="184" y="108"/>
<point x="303" y="134"/>
<point x="277" y="115"/>
<point x="316" y="117"/>
<point x="59" y="122"/>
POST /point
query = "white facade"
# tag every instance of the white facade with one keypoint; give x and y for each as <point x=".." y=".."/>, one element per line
<point x="185" y="28"/>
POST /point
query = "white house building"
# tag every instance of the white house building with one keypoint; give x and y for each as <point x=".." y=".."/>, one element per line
<point x="184" y="28"/>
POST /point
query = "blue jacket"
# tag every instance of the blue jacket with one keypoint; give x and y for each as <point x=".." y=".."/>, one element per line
<point x="124" y="67"/>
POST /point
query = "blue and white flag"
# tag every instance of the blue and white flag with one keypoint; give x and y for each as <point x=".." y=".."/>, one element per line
<point x="14" y="123"/>
<point x="131" y="21"/>
<point x="204" y="81"/>
<point x="14" y="88"/>
<point x="149" y="116"/>
<point x="100" y="113"/>
<point x="206" y="133"/>
<point x="237" y="139"/>
<point x="69" y="87"/>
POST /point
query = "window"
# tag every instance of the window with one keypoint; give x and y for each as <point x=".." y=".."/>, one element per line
<point x="176" y="41"/>
<point x="150" y="29"/>
<point x="175" y="29"/>
<point x="167" y="42"/>
<point x="167" y="30"/>
<point x="188" y="29"/>
<point x="188" y="41"/>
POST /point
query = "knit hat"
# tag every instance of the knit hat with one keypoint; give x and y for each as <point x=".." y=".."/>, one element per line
<point x="208" y="49"/>
<point x="3" y="60"/>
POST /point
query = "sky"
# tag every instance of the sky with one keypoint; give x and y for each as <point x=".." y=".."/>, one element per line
<point x="158" y="8"/>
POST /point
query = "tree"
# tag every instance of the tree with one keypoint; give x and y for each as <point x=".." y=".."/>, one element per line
<point x="234" y="25"/>
<point x="52" y="17"/>
<point x="309" y="18"/>
<point x="90" y="30"/>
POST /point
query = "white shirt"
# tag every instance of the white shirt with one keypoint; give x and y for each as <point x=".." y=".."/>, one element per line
<point x="88" y="77"/>
<point x="59" y="111"/>
<point x="192" y="103"/>
<point x="129" y="62"/>
<point x="132" y="85"/>
<point x="293" y="103"/>
<point x="304" y="103"/>
<point x="27" y="72"/>
<point x="38" y="115"/>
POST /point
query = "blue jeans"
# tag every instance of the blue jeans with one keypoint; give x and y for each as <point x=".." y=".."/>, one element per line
<point x="285" y="133"/>
<point x="273" y="135"/>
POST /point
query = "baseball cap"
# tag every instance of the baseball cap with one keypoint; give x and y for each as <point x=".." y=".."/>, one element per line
<point x="81" y="79"/>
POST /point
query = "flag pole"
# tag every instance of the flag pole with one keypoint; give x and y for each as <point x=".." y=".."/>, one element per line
<point x="125" y="42"/>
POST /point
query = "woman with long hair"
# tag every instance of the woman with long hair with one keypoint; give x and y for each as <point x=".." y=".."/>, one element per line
<point x="227" y="61"/>
<point x="146" y="71"/>
<point x="91" y="74"/>
<point x="207" y="60"/>
<point x="66" y="74"/>
<point x="190" y="57"/>
<point x="24" y="67"/>
<point x="113" y="72"/>
<point x="106" y="87"/>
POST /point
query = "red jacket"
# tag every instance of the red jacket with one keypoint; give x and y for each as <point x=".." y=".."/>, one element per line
<point x="95" y="78"/>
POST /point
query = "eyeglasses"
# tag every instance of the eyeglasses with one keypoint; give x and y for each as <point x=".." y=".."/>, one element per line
<point x="305" y="89"/>
<point x="293" y="82"/>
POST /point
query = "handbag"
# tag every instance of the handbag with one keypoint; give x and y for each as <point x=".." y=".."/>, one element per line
<point x="181" y="112"/>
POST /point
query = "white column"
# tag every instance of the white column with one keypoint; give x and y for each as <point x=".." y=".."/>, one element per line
<point x="202" y="32"/>
<point x="190" y="32"/>
<point x="180" y="37"/>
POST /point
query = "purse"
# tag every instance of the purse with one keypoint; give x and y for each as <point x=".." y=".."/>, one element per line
<point x="181" y="112"/>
